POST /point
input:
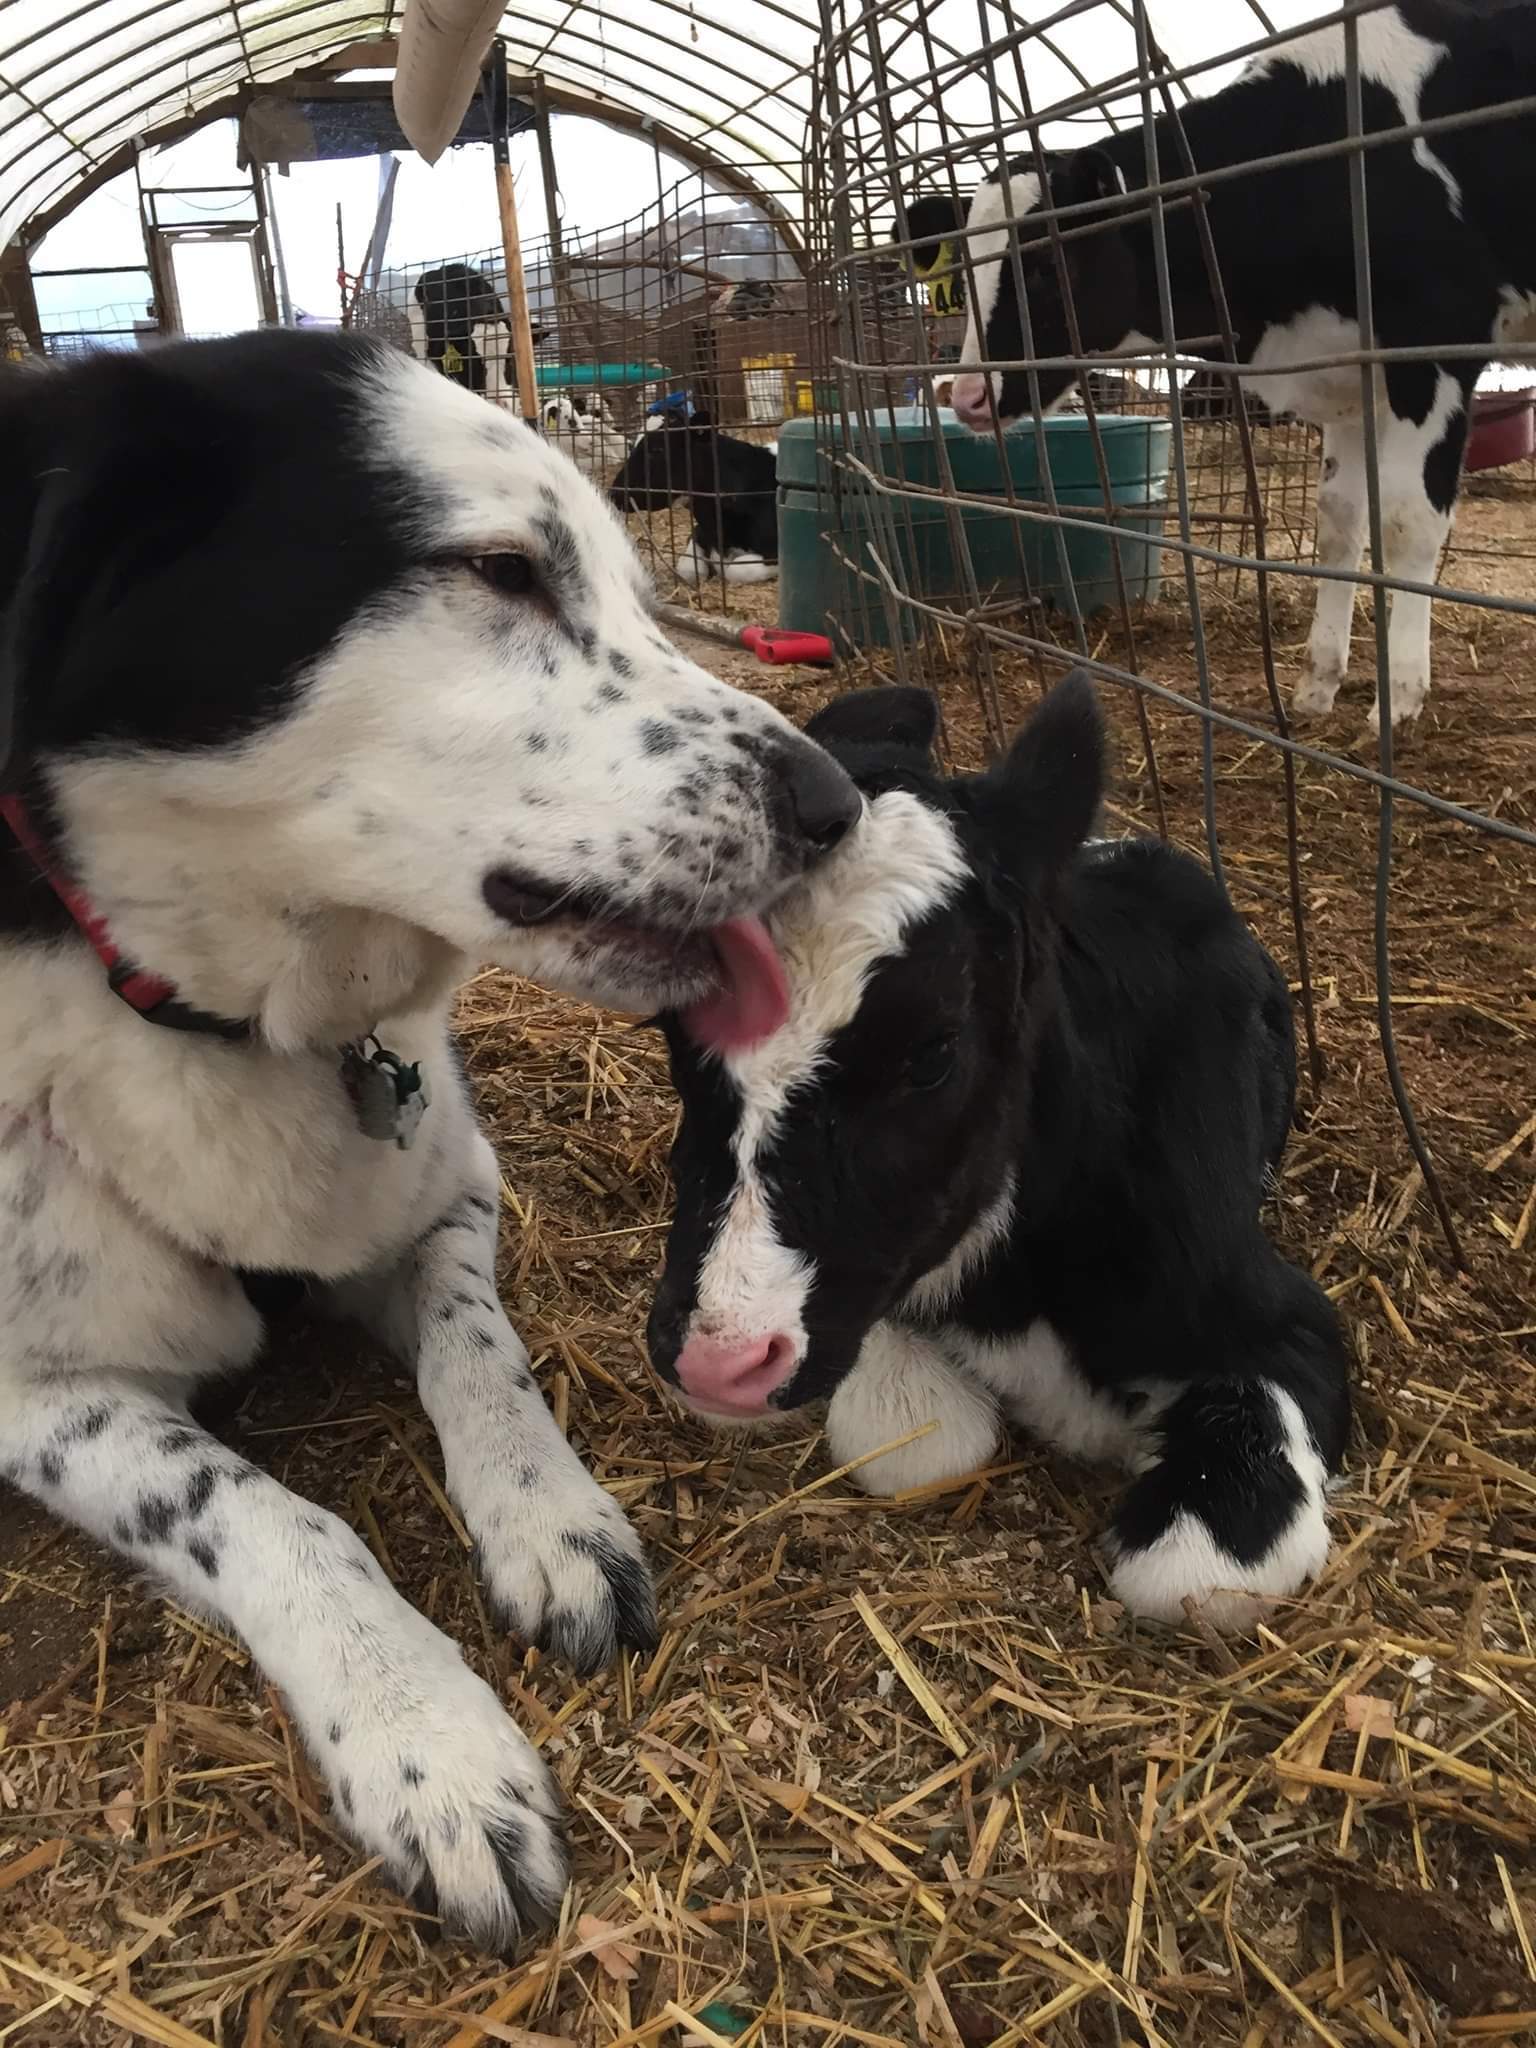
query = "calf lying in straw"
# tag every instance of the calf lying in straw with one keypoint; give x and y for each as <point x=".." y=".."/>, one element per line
<point x="1006" y="1159"/>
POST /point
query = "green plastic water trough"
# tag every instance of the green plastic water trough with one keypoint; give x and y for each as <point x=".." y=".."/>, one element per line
<point x="825" y="512"/>
<point x="582" y="376"/>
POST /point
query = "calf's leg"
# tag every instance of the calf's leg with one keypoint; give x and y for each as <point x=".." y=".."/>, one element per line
<point x="1341" y="524"/>
<point x="1229" y="1509"/>
<point x="1420" y="475"/>
<point x="902" y="1382"/>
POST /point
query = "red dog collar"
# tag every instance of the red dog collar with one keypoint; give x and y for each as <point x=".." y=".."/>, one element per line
<point x="153" y="998"/>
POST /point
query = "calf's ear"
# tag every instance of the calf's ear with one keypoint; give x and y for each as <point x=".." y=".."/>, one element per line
<point x="1040" y="801"/>
<point x="893" y="717"/>
<point x="1086" y="174"/>
<point x="933" y="220"/>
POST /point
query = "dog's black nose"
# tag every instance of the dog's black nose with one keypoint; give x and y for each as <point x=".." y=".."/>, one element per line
<point x="822" y="798"/>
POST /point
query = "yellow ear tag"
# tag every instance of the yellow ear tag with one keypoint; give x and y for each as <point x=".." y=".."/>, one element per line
<point x="946" y="294"/>
<point x="453" y="362"/>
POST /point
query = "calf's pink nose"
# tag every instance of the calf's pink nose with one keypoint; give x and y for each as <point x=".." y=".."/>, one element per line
<point x="734" y="1378"/>
<point x="971" y="399"/>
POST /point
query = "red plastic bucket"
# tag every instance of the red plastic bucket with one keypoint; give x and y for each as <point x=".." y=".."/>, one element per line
<point x="1503" y="428"/>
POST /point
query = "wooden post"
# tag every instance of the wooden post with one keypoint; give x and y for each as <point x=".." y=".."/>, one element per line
<point x="559" y="276"/>
<point x="16" y="291"/>
<point x="511" y="244"/>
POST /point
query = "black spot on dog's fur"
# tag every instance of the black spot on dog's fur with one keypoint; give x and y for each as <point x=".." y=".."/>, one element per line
<point x="200" y="1489"/>
<point x="620" y="664"/>
<point x="157" y="1518"/>
<point x="657" y="737"/>
<point x="411" y="1771"/>
<point x="204" y="1556"/>
<point x="96" y="1418"/>
<point x="334" y="1732"/>
<point x="51" y="1467"/>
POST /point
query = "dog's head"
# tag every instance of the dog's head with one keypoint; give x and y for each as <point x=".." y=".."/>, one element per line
<point x="295" y="628"/>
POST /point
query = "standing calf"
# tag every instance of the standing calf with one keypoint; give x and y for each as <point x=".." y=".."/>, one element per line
<point x="1007" y="1156"/>
<point x="1453" y="262"/>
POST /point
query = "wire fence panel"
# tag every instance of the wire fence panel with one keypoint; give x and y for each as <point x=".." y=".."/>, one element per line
<point x="665" y="346"/>
<point x="1178" y="377"/>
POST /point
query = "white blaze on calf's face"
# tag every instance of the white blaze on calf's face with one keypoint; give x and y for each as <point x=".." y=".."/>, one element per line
<point x="987" y="238"/>
<point x="900" y="863"/>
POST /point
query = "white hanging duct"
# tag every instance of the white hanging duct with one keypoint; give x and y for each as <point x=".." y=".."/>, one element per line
<point x="443" y="44"/>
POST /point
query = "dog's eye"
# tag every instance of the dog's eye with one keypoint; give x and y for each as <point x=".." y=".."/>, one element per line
<point x="930" y="1064"/>
<point x="508" y="575"/>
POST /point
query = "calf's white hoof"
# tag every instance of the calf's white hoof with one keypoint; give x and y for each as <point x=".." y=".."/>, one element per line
<point x="1187" y="1565"/>
<point x="901" y="1383"/>
<point x="1314" y="695"/>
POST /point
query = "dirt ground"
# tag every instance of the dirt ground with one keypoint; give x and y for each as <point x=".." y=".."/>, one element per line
<point x="903" y="1773"/>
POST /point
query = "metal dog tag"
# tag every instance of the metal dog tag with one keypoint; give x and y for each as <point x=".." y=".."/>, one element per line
<point x="389" y="1097"/>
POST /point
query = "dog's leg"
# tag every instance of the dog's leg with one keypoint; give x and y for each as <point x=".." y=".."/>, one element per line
<point x="423" y="1764"/>
<point x="559" y="1561"/>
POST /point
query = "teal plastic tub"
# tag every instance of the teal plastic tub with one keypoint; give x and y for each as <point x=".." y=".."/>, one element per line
<point x="584" y="376"/>
<point x="826" y="512"/>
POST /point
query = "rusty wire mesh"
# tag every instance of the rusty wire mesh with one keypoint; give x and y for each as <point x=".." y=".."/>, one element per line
<point x="1192" y="622"/>
<point x="699" y="295"/>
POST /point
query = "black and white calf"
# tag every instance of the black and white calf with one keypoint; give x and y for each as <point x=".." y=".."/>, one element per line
<point x="732" y="492"/>
<point x="1453" y="263"/>
<point x="328" y="680"/>
<point x="455" y="299"/>
<point x="1007" y="1157"/>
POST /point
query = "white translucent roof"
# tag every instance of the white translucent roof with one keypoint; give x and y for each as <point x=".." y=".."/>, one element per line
<point x="732" y="80"/>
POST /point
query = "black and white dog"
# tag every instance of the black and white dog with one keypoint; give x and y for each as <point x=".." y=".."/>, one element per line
<point x="1009" y="1153"/>
<point x="328" y="680"/>
<point x="1453" y="263"/>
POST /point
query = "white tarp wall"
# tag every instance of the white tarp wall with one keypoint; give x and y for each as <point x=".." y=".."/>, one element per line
<point x="81" y="79"/>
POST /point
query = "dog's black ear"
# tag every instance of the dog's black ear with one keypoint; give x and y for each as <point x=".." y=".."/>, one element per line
<point x="932" y="220"/>
<point x="1040" y="801"/>
<point x="897" y="716"/>
<point x="121" y="476"/>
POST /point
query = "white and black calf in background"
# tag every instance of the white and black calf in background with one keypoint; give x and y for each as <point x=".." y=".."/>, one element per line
<point x="322" y="681"/>
<point x="1006" y="1159"/>
<point x="1453" y="263"/>
<point x="732" y="492"/>
<point x="455" y="299"/>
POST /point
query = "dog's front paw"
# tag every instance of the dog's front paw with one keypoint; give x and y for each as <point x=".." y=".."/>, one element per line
<point x="568" y="1575"/>
<point x="439" y="1782"/>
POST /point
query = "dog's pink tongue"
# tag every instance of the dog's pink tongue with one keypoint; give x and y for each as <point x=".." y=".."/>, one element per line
<point x="753" y="999"/>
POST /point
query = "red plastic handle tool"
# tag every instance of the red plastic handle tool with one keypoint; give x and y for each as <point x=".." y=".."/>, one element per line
<point x="777" y="644"/>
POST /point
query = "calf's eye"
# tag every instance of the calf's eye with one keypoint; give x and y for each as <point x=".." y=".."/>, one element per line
<point x="930" y="1064"/>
